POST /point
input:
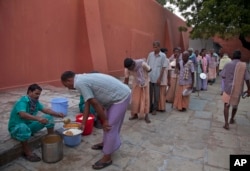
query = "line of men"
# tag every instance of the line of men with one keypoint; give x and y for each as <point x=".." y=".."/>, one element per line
<point x="154" y="75"/>
<point x="159" y="78"/>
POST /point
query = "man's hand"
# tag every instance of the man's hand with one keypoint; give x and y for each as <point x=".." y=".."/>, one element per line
<point x="158" y="81"/>
<point x="60" y="115"/>
<point x="143" y="85"/>
<point x="82" y="127"/>
<point x="105" y="126"/>
<point x="42" y="120"/>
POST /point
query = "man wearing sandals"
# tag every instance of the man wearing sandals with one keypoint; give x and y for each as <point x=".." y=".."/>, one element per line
<point x="234" y="73"/>
<point x="24" y="121"/>
<point x="110" y="99"/>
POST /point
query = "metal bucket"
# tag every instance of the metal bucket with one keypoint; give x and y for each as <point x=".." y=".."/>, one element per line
<point x="52" y="148"/>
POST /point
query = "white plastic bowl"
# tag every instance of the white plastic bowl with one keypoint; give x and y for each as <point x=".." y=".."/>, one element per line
<point x="203" y="76"/>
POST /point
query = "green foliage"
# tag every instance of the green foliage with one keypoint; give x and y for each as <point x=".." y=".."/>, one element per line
<point x="170" y="9"/>
<point x="225" y="18"/>
<point x="182" y="29"/>
<point x="162" y="2"/>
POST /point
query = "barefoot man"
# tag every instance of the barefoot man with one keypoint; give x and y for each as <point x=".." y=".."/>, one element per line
<point x="139" y="69"/>
<point x="234" y="74"/>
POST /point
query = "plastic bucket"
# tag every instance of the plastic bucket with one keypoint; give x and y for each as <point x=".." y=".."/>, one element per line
<point x="89" y="123"/>
<point x="52" y="148"/>
<point x="73" y="140"/>
<point x="60" y="104"/>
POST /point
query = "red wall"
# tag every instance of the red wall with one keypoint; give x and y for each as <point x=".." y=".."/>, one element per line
<point x="175" y="38"/>
<point x="41" y="39"/>
<point x="230" y="45"/>
<point x="129" y="27"/>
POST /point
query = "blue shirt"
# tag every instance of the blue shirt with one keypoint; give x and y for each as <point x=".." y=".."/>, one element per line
<point x="192" y="57"/>
<point x="156" y="62"/>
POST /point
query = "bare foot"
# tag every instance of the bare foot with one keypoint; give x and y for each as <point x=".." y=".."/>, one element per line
<point x="147" y="119"/>
<point x="226" y="126"/>
<point x="232" y="121"/>
<point x="154" y="112"/>
<point x="133" y="117"/>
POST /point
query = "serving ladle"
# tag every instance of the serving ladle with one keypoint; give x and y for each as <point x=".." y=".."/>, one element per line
<point x="65" y="121"/>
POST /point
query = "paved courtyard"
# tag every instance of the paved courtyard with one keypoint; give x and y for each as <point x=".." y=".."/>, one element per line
<point x="173" y="141"/>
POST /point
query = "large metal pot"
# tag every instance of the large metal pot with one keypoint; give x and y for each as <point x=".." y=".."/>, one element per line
<point x="52" y="148"/>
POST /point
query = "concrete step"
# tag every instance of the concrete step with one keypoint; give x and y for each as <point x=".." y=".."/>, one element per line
<point x="12" y="149"/>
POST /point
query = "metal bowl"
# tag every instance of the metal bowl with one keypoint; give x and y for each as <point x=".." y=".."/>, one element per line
<point x="187" y="92"/>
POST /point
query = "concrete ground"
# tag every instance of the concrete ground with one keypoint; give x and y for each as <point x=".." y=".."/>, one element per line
<point x="173" y="141"/>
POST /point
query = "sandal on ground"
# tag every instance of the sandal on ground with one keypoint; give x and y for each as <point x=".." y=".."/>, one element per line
<point x="133" y="117"/>
<point x="100" y="165"/>
<point x="97" y="147"/>
<point x="32" y="158"/>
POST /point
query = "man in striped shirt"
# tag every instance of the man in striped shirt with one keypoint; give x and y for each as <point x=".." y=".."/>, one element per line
<point x="110" y="98"/>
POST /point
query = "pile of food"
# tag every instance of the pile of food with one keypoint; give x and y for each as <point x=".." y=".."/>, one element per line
<point x="69" y="133"/>
<point x="72" y="132"/>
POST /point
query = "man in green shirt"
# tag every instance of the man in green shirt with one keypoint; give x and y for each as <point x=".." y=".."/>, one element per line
<point x="97" y="123"/>
<point x="24" y="121"/>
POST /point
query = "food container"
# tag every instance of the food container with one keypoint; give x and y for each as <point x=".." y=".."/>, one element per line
<point x="60" y="104"/>
<point x="74" y="139"/>
<point x="89" y="123"/>
<point x="203" y="76"/>
<point x="72" y="125"/>
<point x="244" y="95"/>
<point x="186" y="92"/>
<point x="52" y="148"/>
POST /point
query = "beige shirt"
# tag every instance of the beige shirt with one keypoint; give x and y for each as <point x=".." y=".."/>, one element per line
<point x="223" y="61"/>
